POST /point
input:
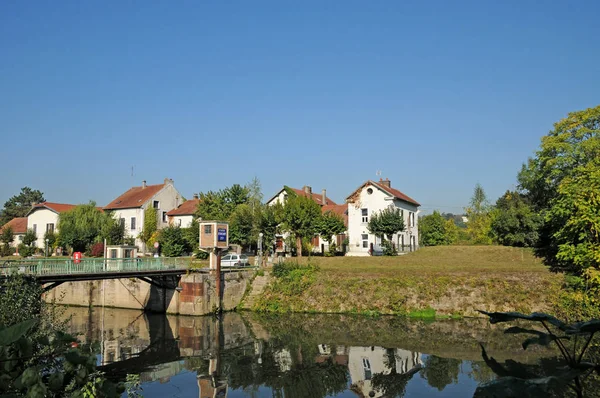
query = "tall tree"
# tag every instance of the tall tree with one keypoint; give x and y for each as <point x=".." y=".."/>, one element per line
<point x="433" y="230"/>
<point x="478" y="214"/>
<point x="330" y="224"/>
<point x="268" y="223"/>
<point x="150" y="225"/>
<point x="567" y="157"/>
<point x="241" y="226"/>
<point x="19" y="205"/>
<point x="255" y="195"/>
<point x="83" y="225"/>
<point x="514" y="222"/>
<point x="386" y="223"/>
<point x="300" y="217"/>
<point x="6" y="238"/>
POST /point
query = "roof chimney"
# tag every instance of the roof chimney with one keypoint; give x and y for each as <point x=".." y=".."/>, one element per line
<point x="307" y="190"/>
<point x="195" y="196"/>
<point x="324" y="197"/>
<point x="144" y="184"/>
<point x="386" y="182"/>
<point x="168" y="181"/>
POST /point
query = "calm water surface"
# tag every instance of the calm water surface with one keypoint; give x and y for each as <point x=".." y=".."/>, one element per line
<point x="296" y="355"/>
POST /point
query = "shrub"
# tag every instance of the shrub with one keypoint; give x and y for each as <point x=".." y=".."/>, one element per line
<point x="97" y="250"/>
<point x="26" y="251"/>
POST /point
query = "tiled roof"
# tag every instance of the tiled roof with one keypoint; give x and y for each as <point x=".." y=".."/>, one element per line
<point x="317" y="197"/>
<point x="55" y="207"/>
<point x="134" y="197"/>
<point x="187" y="208"/>
<point x="18" y="225"/>
<point x="340" y="210"/>
<point x="394" y="192"/>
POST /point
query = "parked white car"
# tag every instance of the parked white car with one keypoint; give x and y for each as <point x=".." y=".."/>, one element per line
<point x="234" y="260"/>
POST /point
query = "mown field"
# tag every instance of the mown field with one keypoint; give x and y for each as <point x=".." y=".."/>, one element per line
<point x="440" y="281"/>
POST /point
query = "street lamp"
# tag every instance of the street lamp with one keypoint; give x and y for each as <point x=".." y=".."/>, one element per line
<point x="47" y="240"/>
<point x="260" y="249"/>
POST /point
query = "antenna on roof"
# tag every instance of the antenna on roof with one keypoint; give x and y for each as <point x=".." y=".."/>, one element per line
<point x="132" y="171"/>
<point x="378" y="173"/>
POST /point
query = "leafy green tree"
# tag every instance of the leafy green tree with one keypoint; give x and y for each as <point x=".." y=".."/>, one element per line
<point x="6" y="238"/>
<point x="113" y="231"/>
<point x="255" y="195"/>
<point x="479" y="226"/>
<point x="19" y="205"/>
<point x="241" y="225"/>
<point x="440" y="372"/>
<point x="172" y="242"/>
<point x="330" y="224"/>
<point x="212" y="206"/>
<point x="385" y="224"/>
<point x="452" y="231"/>
<point x="27" y="247"/>
<point x="514" y="222"/>
<point x="82" y="226"/>
<point x="51" y="237"/>
<point x="150" y="225"/>
<point x="191" y="235"/>
<point x="567" y="156"/>
<point x="300" y="217"/>
<point x="432" y="230"/>
<point x="268" y="223"/>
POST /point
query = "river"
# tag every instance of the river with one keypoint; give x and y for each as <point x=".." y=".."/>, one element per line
<point x="294" y="355"/>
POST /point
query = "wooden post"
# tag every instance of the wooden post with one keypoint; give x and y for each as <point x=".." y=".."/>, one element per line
<point x="218" y="280"/>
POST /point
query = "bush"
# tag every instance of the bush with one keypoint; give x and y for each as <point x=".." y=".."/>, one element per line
<point x="6" y="250"/>
<point x="388" y="248"/>
<point x="201" y="255"/>
<point x="97" y="250"/>
<point x="26" y="251"/>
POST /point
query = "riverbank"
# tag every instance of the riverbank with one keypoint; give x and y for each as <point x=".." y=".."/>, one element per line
<point x="445" y="281"/>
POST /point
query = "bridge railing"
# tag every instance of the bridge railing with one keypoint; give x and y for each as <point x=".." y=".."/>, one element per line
<point x="41" y="267"/>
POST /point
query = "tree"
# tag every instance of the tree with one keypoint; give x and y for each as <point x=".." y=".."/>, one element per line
<point x="435" y="231"/>
<point x="27" y="247"/>
<point x="452" y="231"/>
<point x="514" y="222"/>
<point x="440" y="372"/>
<point x="255" y="195"/>
<point x="567" y="156"/>
<point x="150" y="225"/>
<point x="301" y="217"/>
<point x="330" y="224"/>
<point x="172" y="242"/>
<point x="241" y="226"/>
<point x="268" y="222"/>
<point x="385" y="224"/>
<point x="479" y="224"/>
<point x="19" y="205"/>
<point x="50" y="237"/>
<point x="212" y="206"/>
<point x="6" y="237"/>
<point x="82" y="226"/>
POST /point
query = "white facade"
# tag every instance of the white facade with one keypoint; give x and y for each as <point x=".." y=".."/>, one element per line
<point x="364" y="362"/>
<point x="165" y="200"/>
<point x="41" y="220"/>
<point x="369" y="200"/>
<point x="184" y="221"/>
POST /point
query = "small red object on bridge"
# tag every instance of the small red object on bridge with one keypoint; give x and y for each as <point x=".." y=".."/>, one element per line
<point x="77" y="257"/>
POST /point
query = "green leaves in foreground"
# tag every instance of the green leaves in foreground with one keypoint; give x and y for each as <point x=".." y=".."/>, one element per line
<point x="13" y="333"/>
<point x="518" y="380"/>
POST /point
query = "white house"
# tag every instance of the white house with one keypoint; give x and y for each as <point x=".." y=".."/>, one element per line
<point x="364" y="362"/>
<point x="371" y="198"/>
<point x="19" y="227"/>
<point x="43" y="217"/>
<point x="183" y="215"/>
<point x="130" y="207"/>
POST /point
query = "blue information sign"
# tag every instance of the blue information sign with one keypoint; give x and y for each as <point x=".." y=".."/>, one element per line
<point x="221" y="235"/>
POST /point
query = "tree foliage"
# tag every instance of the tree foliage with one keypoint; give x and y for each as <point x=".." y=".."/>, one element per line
<point x="514" y="222"/>
<point x="561" y="184"/>
<point x="434" y="230"/>
<point x="84" y="225"/>
<point x="386" y="223"/>
<point x="480" y="220"/>
<point x="172" y="242"/>
<point x="330" y="224"/>
<point x="300" y="217"/>
<point x="269" y="219"/>
<point x="150" y="225"/>
<point x="6" y="238"/>
<point x="241" y="225"/>
<point x="19" y="205"/>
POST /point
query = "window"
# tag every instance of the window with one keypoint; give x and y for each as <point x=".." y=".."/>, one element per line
<point x="164" y="216"/>
<point x="132" y="223"/>
<point x="369" y="191"/>
<point x="20" y="238"/>
<point x="122" y="221"/>
<point x="113" y="253"/>
<point x="411" y="219"/>
<point x="50" y="227"/>
<point x="156" y="204"/>
<point x="208" y="229"/>
<point x="35" y="228"/>
<point x="367" y="368"/>
<point x="365" y="241"/>
<point x="179" y="222"/>
<point x="226" y="258"/>
<point x="365" y="215"/>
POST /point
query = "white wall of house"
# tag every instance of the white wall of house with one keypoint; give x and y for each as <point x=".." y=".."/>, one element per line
<point x="127" y="215"/>
<point x="280" y="198"/>
<point x="18" y="239"/>
<point x="372" y="200"/>
<point x="39" y="220"/>
<point x="182" y="221"/>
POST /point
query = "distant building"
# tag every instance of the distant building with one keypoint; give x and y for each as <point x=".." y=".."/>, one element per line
<point x="183" y="215"/>
<point x="130" y="206"/>
<point x="19" y="227"/>
<point x="371" y="198"/>
<point x="43" y="217"/>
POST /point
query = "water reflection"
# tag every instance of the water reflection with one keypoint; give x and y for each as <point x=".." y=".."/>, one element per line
<point x="293" y="355"/>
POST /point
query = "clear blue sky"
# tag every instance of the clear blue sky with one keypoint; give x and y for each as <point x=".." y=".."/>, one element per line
<point x="437" y="95"/>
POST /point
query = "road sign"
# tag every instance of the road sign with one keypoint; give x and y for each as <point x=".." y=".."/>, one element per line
<point x="156" y="245"/>
<point x="222" y="235"/>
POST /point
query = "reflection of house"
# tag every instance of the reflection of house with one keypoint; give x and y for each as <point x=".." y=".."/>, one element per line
<point x="371" y="198"/>
<point x="282" y="196"/>
<point x="130" y="207"/>
<point x="339" y="356"/>
<point x="19" y="227"/>
<point x="184" y="214"/>
<point x="364" y="362"/>
<point x="43" y="217"/>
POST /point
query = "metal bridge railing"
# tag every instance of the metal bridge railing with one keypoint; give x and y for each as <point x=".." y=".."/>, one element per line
<point x="46" y="267"/>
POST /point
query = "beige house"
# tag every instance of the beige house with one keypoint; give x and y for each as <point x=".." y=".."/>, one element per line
<point x="43" y="217"/>
<point x="129" y="207"/>
<point x="183" y="215"/>
<point x="19" y="227"/>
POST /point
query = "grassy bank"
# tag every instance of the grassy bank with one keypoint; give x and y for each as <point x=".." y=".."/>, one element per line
<point x="434" y="281"/>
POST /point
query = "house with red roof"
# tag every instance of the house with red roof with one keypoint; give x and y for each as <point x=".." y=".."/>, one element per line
<point x="371" y="198"/>
<point x="19" y="227"/>
<point x="183" y="215"/>
<point x="43" y="217"/>
<point x="130" y="207"/>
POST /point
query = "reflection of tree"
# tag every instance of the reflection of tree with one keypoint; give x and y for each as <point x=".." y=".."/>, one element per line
<point x="440" y="372"/>
<point x="481" y="373"/>
<point x="394" y="383"/>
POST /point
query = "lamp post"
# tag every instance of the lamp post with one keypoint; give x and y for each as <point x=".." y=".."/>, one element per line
<point x="260" y="250"/>
<point x="47" y="247"/>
